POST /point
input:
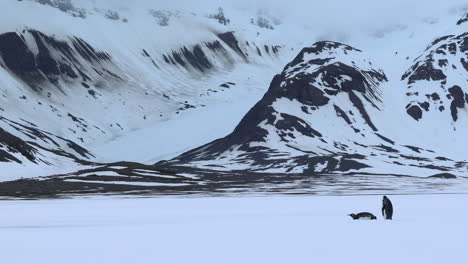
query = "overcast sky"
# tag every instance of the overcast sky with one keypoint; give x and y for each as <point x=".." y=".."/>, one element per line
<point x="334" y="13"/>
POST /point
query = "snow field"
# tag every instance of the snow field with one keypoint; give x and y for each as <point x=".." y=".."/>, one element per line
<point x="270" y="229"/>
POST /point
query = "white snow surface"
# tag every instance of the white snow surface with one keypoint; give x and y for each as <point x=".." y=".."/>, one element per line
<point x="280" y="229"/>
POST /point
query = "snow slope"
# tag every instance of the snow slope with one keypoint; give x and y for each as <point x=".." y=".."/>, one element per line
<point x="148" y="81"/>
<point x="130" y="73"/>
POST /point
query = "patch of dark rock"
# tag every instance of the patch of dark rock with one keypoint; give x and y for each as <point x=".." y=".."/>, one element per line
<point x="464" y="63"/>
<point x="464" y="42"/>
<point x="332" y="71"/>
<point x="458" y="100"/>
<point x="438" y="40"/>
<point x="301" y="90"/>
<point x="443" y="176"/>
<point x="425" y="106"/>
<point x="443" y="159"/>
<point x="92" y="93"/>
<point x="433" y="167"/>
<point x="443" y="63"/>
<point x="320" y="47"/>
<point x="67" y="70"/>
<point x="414" y="158"/>
<point x="291" y="123"/>
<point x="319" y="61"/>
<point x="178" y="58"/>
<point x="16" y="54"/>
<point x="415" y="149"/>
<point x="426" y="71"/>
<point x="275" y="49"/>
<point x="435" y="97"/>
<point x="452" y="47"/>
<point x="186" y="106"/>
<point x="15" y="145"/>
<point x="197" y="58"/>
<point x="386" y="148"/>
<point x="166" y="59"/>
<point x="55" y="58"/>
<point x="88" y="52"/>
<point x="342" y="114"/>
<point x="216" y="46"/>
<point x="380" y="76"/>
<point x="463" y="19"/>
<point x="232" y="42"/>
<point x="415" y="112"/>
<point x="441" y="50"/>
<point x="359" y="105"/>
<point x="331" y="92"/>
<point x="78" y="149"/>
<point x="44" y="60"/>
<point x="385" y="139"/>
<point x="347" y="165"/>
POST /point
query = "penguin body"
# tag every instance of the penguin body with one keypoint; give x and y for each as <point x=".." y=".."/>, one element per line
<point x="363" y="216"/>
<point x="387" y="208"/>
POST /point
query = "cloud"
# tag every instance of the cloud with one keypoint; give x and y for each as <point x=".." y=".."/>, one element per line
<point x="330" y="15"/>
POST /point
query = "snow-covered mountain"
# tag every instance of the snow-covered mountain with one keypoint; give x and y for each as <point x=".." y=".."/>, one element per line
<point x="318" y="117"/>
<point x="436" y="79"/>
<point x="85" y="83"/>
<point x="66" y="91"/>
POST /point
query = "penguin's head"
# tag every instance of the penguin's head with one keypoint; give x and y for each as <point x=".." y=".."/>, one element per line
<point x="385" y="198"/>
<point x="353" y="216"/>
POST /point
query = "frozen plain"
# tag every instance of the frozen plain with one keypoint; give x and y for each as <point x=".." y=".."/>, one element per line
<point x="427" y="228"/>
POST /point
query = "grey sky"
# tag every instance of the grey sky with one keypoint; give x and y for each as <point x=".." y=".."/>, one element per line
<point x="326" y="13"/>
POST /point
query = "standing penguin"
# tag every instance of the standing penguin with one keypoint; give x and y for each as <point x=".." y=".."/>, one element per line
<point x="387" y="208"/>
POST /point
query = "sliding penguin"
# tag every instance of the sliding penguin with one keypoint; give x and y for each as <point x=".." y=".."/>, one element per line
<point x="363" y="216"/>
<point x="387" y="208"/>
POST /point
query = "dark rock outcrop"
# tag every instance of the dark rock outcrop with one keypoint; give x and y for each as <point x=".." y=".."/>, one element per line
<point x="443" y="176"/>
<point x="312" y="84"/>
<point x="68" y="60"/>
<point x="443" y="60"/>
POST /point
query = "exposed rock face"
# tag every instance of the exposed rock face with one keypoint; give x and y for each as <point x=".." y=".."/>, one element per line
<point x="463" y="19"/>
<point x="10" y="144"/>
<point x="55" y="62"/>
<point x="316" y="117"/>
<point x="437" y="81"/>
<point x="443" y="176"/>
<point x="41" y="147"/>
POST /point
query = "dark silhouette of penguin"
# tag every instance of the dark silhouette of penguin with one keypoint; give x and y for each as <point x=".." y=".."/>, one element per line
<point x="387" y="208"/>
<point x="363" y="216"/>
